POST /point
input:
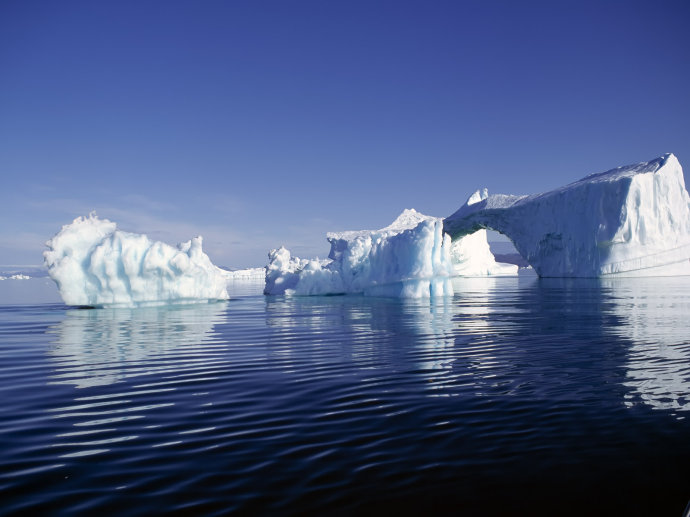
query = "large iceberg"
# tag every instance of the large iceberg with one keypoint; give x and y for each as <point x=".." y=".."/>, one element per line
<point x="411" y="257"/>
<point x="629" y="221"/>
<point x="95" y="264"/>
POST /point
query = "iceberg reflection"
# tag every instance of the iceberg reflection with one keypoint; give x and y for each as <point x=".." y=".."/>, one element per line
<point x="458" y="344"/>
<point x="447" y="343"/>
<point x="160" y="349"/>
<point x="103" y="346"/>
<point x="656" y="315"/>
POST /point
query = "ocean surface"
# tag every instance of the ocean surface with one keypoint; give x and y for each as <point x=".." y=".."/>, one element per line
<point x="518" y="396"/>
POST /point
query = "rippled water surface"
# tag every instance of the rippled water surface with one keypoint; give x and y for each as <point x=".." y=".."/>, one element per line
<point x="528" y="396"/>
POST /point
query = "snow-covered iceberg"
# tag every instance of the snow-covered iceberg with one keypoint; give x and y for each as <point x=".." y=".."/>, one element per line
<point x="95" y="264"/>
<point x="629" y="221"/>
<point x="409" y="258"/>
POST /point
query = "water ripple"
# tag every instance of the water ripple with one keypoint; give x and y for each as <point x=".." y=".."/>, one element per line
<point x="353" y="404"/>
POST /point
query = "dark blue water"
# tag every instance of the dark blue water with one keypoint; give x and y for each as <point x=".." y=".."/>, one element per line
<point x="522" y="396"/>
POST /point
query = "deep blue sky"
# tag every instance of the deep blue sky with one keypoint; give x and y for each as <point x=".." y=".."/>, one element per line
<point x="258" y="123"/>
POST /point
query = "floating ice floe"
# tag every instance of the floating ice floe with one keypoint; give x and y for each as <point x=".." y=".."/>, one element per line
<point x="94" y="264"/>
<point x="250" y="274"/>
<point x="629" y="221"/>
<point x="409" y="258"/>
<point x="17" y="276"/>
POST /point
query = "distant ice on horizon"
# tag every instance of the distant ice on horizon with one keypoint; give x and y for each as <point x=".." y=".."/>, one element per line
<point x="17" y="276"/>
<point x="250" y="274"/>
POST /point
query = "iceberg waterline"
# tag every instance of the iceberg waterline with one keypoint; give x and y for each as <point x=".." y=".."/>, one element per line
<point x="629" y="221"/>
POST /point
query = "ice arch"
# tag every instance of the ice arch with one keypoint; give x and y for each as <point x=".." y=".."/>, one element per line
<point x="632" y="220"/>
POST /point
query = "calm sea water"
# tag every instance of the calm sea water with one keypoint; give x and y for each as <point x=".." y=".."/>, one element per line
<point x="516" y="396"/>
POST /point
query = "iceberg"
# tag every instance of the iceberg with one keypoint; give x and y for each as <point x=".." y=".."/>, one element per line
<point x="629" y="221"/>
<point x="95" y="264"/>
<point x="410" y="258"/>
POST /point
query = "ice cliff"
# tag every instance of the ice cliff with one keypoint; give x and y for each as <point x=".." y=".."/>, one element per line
<point x="630" y="221"/>
<point x="95" y="264"/>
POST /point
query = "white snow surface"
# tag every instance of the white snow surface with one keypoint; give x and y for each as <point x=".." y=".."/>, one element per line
<point x="95" y="264"/>
<point x="629" y="221"/>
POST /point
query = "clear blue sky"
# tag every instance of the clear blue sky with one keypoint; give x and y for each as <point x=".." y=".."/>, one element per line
<point x="259" y="123"/>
